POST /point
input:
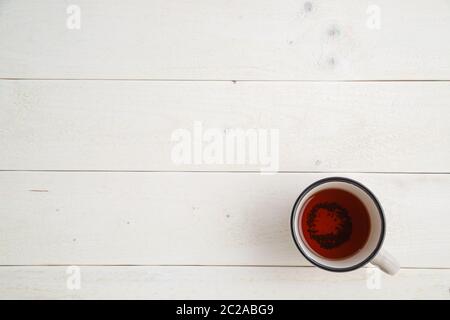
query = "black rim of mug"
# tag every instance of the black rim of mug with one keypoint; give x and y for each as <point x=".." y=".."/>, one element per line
<point x="363" y="188"/>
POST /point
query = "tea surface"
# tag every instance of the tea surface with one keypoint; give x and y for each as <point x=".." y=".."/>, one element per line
<point x="334" y="223"/>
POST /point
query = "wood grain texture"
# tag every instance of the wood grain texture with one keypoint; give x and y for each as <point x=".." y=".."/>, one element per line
<point x="198" y="218"/>
<point x="221" y="283"/>
<point x="108" y="196"/>
<point x="222" y="39"/>
<point x="128" y="125"/>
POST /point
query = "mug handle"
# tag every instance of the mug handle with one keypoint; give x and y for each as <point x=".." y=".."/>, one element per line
<point x="386" y="262"/>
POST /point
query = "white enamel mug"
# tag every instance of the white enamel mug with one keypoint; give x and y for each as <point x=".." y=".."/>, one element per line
<point x="371" y="251"/>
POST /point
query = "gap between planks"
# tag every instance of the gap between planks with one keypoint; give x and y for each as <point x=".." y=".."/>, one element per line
<point x="223" y="80"/>
<point x="192" y="265"/>
<point x="225" y="171"/>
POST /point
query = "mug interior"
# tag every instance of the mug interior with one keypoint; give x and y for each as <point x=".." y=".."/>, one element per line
<point x="376" y="217"/>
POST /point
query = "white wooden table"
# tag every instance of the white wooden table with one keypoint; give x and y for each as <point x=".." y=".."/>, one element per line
<point x="86" y="117"/>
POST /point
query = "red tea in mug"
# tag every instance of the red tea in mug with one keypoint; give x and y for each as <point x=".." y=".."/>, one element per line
<point x="335" y="223"/>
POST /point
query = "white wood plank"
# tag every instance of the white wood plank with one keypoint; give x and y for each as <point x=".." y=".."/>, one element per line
<point x="128" y="125"/>
<point x="198" y="218"/>
<point x="221" y="283"/>
<point x="221" y="39"/>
